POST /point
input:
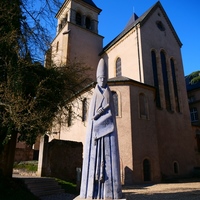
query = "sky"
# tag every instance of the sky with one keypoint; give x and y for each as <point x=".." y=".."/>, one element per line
<point x="184" y="16"/>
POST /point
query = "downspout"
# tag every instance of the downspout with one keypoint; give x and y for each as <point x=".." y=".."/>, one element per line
<point x="138" y="49"/>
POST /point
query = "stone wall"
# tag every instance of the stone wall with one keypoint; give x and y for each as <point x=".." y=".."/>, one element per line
<point x="62" y="159"/>
<point x="23" y="154"/>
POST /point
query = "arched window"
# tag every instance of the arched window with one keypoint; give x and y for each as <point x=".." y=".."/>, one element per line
<point x="165" y="80"/>
<point x="78" y="18"/>
<point x="175" y="85"/>
<point x="88" y="23"/>
<point x="176" y="167"/>
<point x="115" y="100"/>
<point x="155" y="77"/>
<point x="84" y="109"/>
<point x="118" y="67"/>
<point x="147" y="170"/>
<point x="143" y="106"/>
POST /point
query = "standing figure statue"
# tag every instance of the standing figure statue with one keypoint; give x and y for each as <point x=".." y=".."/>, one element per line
<point x="101" y="165"/>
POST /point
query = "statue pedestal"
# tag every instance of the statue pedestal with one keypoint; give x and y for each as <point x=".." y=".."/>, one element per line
<point x="78" y="198"/>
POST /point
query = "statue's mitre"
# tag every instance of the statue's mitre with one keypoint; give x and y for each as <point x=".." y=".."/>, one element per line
<point x="102" y="69"/>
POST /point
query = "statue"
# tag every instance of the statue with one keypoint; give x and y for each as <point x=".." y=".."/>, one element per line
<point x="101" y="165"/>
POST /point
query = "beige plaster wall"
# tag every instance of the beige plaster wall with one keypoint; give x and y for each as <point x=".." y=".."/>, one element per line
<point x="127" y="50"/>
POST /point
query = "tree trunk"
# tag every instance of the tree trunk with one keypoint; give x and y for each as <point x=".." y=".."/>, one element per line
<point x="7" y="156"/>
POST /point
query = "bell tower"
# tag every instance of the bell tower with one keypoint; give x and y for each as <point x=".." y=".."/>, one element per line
<point x="77" y="38"/>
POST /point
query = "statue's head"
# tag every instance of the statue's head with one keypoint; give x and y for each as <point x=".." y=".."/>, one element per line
<point x="102" y="73"/>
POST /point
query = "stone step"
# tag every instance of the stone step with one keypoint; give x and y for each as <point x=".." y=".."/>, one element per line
<point x="43" y="186"/>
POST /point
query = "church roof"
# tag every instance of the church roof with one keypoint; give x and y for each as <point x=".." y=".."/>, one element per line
<point x="124" y="79"/>
<point x="141" y="20"/>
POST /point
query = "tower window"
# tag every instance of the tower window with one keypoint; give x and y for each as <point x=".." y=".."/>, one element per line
<point x="88" y="23"/>
<point x="118" y="67"/>
<point x="78" y="18"/>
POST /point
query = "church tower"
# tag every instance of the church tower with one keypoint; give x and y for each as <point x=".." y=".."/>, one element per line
<point x="77" y="39"/>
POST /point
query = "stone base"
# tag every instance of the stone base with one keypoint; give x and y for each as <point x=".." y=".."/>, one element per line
<point x="78" y="198"/>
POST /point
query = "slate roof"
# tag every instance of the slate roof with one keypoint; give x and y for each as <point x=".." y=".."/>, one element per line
<point x="132" y="23"/>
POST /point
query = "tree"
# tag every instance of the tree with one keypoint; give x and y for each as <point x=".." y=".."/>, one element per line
<point x="31" y="96"/>
<point x="194" y="77"/>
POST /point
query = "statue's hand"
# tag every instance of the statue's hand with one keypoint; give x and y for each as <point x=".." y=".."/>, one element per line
<point x="100" y="110"/>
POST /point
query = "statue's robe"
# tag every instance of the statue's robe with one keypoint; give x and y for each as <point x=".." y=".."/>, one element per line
<point x="101" y="165"/>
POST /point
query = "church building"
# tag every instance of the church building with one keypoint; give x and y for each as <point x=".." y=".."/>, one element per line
<point x="146" y="78"/>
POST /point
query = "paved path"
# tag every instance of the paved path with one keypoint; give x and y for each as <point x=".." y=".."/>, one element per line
<point x="172" y="191"/>
<point x="176" y="191"/>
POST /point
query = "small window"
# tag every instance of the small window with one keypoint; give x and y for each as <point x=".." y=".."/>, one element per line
<point x="78" y="18"/>
<point x="194" y="114"/>
<point x="88" y="23"/>
<point x="118" y="67"/>
<point x="84" y="110"/>
<point x="115" y="100"/>
<point x="176" y="168"/>
<point x="160" y="25"/>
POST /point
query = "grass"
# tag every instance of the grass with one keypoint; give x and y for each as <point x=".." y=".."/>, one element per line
<point x="29" y="166"/>
<point x="67" y="186"/>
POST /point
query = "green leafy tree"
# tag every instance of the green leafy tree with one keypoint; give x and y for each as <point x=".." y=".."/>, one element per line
<point x="31" y="96"/>
<point x="194" y="77"/>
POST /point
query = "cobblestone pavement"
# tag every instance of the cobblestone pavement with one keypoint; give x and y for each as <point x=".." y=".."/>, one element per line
<point x="172" y="191"/>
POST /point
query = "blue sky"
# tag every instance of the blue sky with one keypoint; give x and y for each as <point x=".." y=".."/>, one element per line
<point x="184" y="16"/>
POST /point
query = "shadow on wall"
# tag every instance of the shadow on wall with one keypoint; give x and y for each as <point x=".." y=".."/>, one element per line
<point x="61" y="159"/>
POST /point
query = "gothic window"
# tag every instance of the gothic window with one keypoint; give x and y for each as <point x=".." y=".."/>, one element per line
<point x="165" y="80"/>
<point x="118" y="67"/>
<point x="175" y="85"/>
<point x="155" y="77"/>
<point x="116" y="103"/>
<point x="147" y="170"/>
<point x="176" y="168"/>
<point x="143" y="106"/>
<point x="78" y="18"/>
<point x="88" y="23"/>
<point x="194" y="114"/>
<point x="84" y="109"/>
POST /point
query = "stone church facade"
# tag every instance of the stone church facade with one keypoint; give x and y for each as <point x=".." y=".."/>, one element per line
<point x="146" y="77"/>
